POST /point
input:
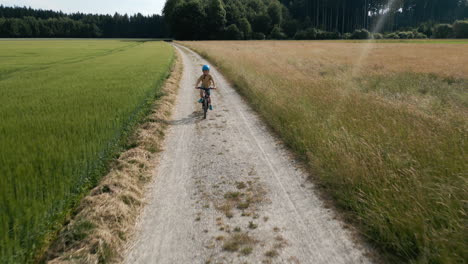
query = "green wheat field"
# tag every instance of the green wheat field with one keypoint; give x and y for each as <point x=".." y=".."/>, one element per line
<point x="66" y="107"/>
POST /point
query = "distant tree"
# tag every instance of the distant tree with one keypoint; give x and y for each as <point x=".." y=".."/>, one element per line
<point x="275" y="12"/>
<point x="290" y="27"/>
<point x="45" y="27"/>
<point x="95" y="31"/>
<point x="285" y="14"/>
<point x="187" y="21"/>
<point x="33" y="25"/>
<point x="169" y="8"/>
<point x="3" y="29"/>
<point x="307" y="23"/>
<point x="15" y="28"/>
<point x="377" y="36"/>
<point x="261" y="23"/>
<point x="25" y="28"/>
<point x="245" y="28"/>
<point x="276" y="33"/>
<point x="310" y="33"/>
<point x="258" y="36"/>
<point x="426" y="28"/>
<point x="460" y="28"/>
<point x="405" y="35"/>
<point x="216" y="18"/>
<point x="233" y="33"/>
<point x="234" y="12"/>
<point x="443" y="31"/>
<point x="361" y="34"/>
<point x="256" y="7"/>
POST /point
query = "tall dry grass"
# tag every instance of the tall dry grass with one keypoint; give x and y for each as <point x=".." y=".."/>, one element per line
<point x="387" y="140"/>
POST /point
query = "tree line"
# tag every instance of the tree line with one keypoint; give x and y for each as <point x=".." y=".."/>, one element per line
<point x="305" y="19"/>
<point x="346" y="16"/>
<point x="249" y="19"/>
<point x="28" y="22"/>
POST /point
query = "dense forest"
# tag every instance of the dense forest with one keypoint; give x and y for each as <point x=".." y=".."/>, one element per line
<point x="309" y="19"/>
<point x="28" y="22"/>
<point x="346" y="16"/>
<point x="253" y="19"/>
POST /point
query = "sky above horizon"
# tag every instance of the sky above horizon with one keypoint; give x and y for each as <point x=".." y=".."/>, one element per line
<point x="146" y="7"/>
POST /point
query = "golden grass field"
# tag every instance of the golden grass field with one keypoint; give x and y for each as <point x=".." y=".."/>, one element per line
<point x="382" y="127"/>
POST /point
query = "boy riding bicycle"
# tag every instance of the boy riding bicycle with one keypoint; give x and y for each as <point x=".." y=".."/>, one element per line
<point x="206" y="81"/>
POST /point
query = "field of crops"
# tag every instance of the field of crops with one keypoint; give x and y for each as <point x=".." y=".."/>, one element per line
<point x="65" y="110"/>
<point x="382" y="126"/>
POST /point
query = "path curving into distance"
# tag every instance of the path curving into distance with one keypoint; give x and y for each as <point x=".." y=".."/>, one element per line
<point x="226" y="191"/>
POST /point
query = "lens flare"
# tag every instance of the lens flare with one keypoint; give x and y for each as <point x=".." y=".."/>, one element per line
<point x="376" y="28"/>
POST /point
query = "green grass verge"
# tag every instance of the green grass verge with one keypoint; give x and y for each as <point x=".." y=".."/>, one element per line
<point x="390" y="149"/>
<point x="67" y="107"/>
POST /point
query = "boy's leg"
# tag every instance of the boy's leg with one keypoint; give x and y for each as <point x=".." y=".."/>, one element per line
<point x="201" y="97"/>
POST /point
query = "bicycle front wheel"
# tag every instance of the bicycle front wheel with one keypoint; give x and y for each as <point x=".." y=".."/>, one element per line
<point x="205" y="108"/>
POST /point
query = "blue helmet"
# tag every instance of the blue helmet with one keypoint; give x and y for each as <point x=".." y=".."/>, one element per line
<point x="206" y="68"/>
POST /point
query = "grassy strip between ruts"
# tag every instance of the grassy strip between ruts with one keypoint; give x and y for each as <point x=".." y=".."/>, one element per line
<point x="388" y="144"/>
<point x="104" y="221"/>
<point x="68" y="108"/>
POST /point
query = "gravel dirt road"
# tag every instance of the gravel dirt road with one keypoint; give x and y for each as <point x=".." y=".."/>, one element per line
<point x="226" y="191"/>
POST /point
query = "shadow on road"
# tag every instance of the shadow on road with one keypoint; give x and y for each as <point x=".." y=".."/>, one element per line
<point x="190" y="119"/>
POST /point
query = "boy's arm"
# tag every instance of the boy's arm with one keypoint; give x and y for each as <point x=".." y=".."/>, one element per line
<point x="198" y="81"/>
<point x="214" y="84"/>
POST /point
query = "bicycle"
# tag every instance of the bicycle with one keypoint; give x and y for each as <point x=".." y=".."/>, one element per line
<point x="206" y="100"/>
